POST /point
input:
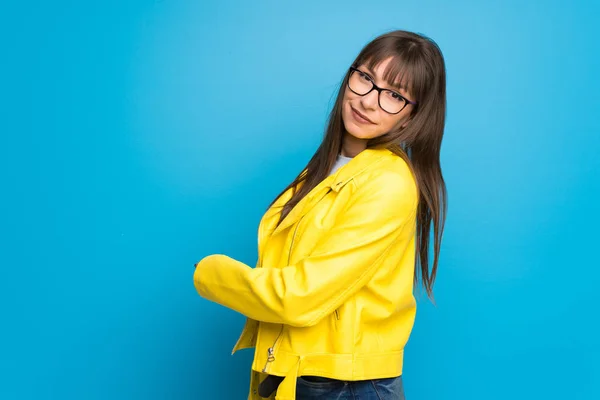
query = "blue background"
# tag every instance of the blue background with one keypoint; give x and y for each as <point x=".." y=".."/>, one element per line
<point x="139" y="136"/>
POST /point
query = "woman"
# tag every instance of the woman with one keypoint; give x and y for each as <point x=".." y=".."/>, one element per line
<point x="330" y="304"/>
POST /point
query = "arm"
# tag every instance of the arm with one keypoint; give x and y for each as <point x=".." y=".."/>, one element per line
<point x="343" y="261"/>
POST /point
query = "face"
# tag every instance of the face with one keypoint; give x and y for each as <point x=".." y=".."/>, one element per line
<point x="362" y="115"/>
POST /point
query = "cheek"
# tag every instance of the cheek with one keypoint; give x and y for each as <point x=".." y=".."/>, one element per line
<point x="348" y="95"/>
<point x="389" y="121"/>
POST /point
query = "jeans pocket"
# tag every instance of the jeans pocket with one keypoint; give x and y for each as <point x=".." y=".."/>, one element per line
<point x="319" y="381"/>
<point x="389" y="388"/>
<point x="313" y="387"/>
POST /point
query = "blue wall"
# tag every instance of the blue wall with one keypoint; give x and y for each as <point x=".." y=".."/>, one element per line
<point x="140" y="136"/>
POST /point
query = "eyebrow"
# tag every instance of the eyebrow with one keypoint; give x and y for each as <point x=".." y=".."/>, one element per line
<point x="400" y="87"/>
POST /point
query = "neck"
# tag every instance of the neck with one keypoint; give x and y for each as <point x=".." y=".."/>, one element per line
<point x="351" y="145"/>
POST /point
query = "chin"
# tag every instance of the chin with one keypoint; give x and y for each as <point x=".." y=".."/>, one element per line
<point x="357" y="131"/>
<point x="354" y="131"/>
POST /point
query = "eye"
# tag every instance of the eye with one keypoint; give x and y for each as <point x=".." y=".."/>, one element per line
<point x="396" y="96"/>
<point x="364" y="76"/>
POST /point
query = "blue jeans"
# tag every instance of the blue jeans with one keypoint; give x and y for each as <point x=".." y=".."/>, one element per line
<point x="315" y="388"/>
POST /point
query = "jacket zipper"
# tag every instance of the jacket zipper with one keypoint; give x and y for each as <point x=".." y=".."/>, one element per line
<point x="271" y="350"/>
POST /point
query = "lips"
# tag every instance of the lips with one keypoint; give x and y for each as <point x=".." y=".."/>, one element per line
<point x="362" y="116"/>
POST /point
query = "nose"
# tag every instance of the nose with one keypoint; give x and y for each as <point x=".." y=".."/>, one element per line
<point x="370" y="100"/>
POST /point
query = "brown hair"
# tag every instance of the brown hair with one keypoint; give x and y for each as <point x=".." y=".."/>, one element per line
<point x="418" y="62"/>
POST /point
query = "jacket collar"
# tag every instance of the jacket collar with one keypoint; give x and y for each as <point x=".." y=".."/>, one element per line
<point x="336" y="181"/>
<point x="357" y="165"/>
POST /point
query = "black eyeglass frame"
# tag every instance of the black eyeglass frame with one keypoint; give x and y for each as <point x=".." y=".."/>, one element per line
<point x="379" y="90"/>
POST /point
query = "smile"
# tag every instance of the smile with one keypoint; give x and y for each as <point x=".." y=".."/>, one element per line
<point x="360" y="118"/>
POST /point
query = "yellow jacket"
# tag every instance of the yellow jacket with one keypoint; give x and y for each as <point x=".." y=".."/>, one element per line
<point x="332" y="292"/>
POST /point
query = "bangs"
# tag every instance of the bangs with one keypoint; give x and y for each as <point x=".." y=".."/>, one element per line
<point x="406" y="70"/>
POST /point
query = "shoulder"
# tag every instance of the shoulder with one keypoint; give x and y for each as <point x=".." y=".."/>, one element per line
<point x="391" y="176"/>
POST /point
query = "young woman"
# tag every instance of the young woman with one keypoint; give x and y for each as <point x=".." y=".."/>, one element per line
<point x="330" y="304"/>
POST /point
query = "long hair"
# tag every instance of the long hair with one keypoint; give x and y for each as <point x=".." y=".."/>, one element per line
<point x="418" y="62"/>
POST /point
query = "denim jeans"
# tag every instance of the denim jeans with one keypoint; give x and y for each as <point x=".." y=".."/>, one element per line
<point x="314" y="388"/>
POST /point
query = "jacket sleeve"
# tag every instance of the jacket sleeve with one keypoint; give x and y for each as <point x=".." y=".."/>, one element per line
<point x="380" y="213"/>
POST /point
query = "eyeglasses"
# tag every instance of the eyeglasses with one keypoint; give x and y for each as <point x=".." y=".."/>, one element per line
<point x="362" y="84"/>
